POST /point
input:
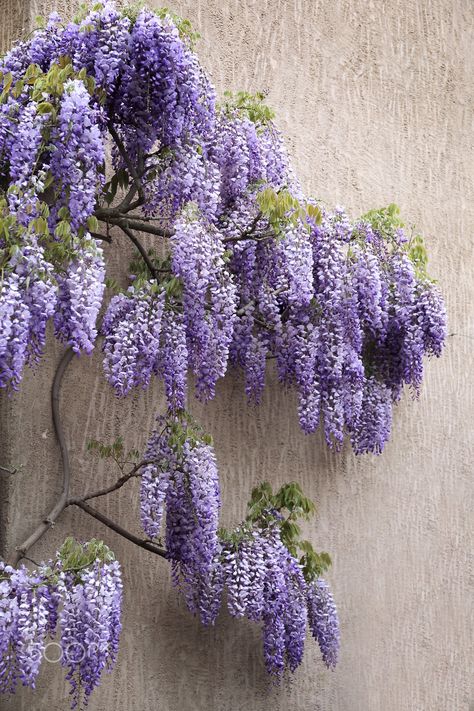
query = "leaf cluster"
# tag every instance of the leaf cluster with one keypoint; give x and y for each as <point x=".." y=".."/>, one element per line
<point x="384" y="220"/>
<point x="419" y="256"/>
<point x="75" y="556"/>
<point x="284" y="508"/>
<point x="182" y="428"/>
<point x="251" y="106"/>
<point x="115" y="451"/>
<point x="281" y="209"/>
<point x="183" y="25"/>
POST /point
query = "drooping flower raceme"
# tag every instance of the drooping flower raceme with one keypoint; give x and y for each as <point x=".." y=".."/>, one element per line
<point x="182" y="476"/>
<point x="79" y="153"/>
<point x="244" y="269"/>
<point x="80" y="294"/>
<point x="90" y="625"/>
<point x="132" y="327"/>
<point x="324" y="621"/>
<point x="23" y="626"/>
<point x="266" y="584"/>
<point x="84" y="600"/>
<point x="28" y="300"/>
<point x="263" y="579"/>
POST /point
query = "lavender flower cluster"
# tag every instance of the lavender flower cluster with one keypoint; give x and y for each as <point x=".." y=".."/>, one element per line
<point x="182" y="477"/>
<point x="82" y="602"/>
<point x="28" y="295"/>
<point x="264" y="581"/>
<point x="266" y="584"/>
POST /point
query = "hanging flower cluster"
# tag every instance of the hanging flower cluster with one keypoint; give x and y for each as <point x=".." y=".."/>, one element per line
<point x="266" y="584"/>
<point x="270" y="582"/>
<point x="182" y="477"/>
<point x="249" y="269"/>
<point x="81" y="594"/>
<point x="257" y="563"/>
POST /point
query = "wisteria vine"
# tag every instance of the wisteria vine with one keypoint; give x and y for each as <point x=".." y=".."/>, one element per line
<point x="110" y="128"/>
<point x="249" y="268"/>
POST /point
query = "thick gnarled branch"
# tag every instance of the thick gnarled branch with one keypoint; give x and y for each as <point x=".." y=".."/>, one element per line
<point x="99" y="516"/>
<point x="64" y="501"/>
<point x="61" y="503"/>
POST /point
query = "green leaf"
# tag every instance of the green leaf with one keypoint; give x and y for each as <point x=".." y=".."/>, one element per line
<point x="45" y="107"/>
<point x="93" y="223"/>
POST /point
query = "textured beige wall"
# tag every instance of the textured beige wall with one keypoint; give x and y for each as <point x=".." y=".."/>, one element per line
<point x="376" y="100"/>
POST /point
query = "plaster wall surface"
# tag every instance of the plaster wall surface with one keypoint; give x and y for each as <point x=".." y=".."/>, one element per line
<point x="375" y="98"/>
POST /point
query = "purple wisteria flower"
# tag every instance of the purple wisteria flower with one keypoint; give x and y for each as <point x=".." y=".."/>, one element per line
<point x="342" y="308"/>
<point x="80" y="294"/>
<point x="83" y="602"/>
<point x="132" y="328"/>
<point x="324" y="621"/>
<point x="90" y="626"/>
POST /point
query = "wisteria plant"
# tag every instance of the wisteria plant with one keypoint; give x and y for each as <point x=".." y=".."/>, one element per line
<point x="110" y="129"/>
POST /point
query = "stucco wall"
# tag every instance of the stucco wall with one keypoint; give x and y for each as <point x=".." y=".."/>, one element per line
<point x="376" y="100"/>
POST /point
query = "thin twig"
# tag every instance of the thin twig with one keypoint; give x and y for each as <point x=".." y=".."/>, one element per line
<point x="145" y="218"/>
<point x="61" y="503"/>
<point x="147" y="545"/>
<point x="9" y="471"/>
<point x="138" y="225"/>
<point x="123" y="152"/>
<point x="140" y="248"/>
<point x="103" y="238"/>
<point x="64" y="501"/>
<point x="113" y="487"/>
